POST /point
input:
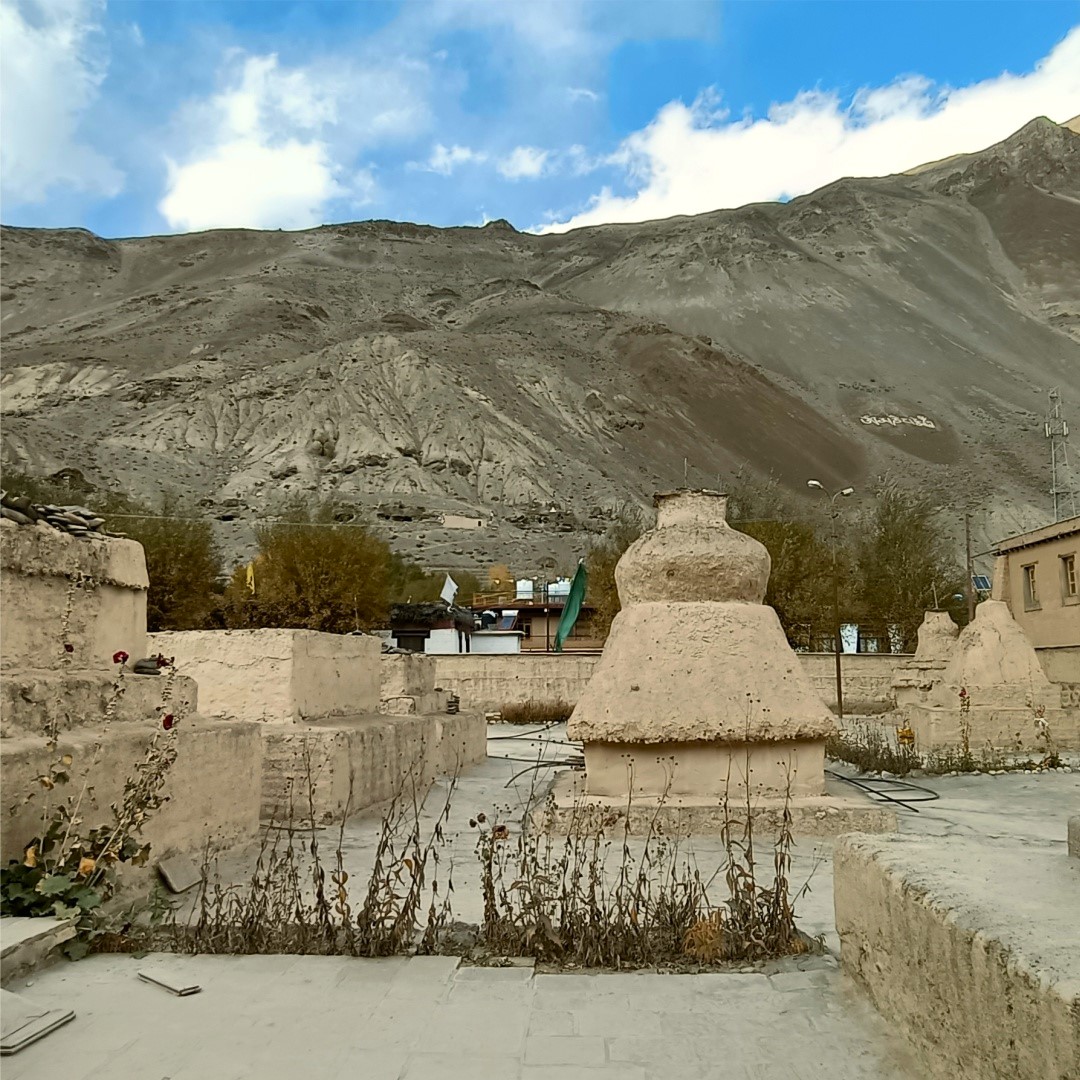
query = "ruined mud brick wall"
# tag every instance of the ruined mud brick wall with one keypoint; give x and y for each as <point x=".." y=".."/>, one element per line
<point x="408" y="685"/>
<point x="352" y="764"/>
<point x="321" y="703"/>
<point x="968" y="948"/>
<point x="278" y="676"/>
<point x="213" y="787"/>
<point x="105" y="580"/>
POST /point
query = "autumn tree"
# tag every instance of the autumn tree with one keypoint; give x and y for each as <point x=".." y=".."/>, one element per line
<point x="313" y="572"/>
<point x="800" y="586"/>
<point x="499" y="579"/>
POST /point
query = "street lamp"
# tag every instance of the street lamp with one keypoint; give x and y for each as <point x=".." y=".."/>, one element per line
<point x="838" y="646"/>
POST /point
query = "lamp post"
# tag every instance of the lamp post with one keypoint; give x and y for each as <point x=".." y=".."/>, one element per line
<point x="547" y="567"/>
<point x="838" y="646"/>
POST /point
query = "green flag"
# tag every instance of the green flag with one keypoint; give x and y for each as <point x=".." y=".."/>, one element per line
<point x="572" y="609"/>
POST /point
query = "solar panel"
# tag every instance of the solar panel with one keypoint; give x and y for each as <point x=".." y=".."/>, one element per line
<point x="506" y="622"/>
<point x="981" y="582"/>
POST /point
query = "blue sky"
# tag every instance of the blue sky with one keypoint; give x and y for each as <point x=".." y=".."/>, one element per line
<point x="146" y="117"/>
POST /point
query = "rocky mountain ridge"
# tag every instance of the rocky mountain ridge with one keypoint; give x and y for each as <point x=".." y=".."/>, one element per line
<point x="908" y="325"/>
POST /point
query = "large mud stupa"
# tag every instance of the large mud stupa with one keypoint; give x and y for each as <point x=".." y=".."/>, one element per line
<point x="698" y="690"/>
<point x="698" y="694"/>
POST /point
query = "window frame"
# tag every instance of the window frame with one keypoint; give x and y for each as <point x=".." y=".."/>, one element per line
<point x="1030" y="587"/>
<point x="1067" y="562"/>
<point x="423" y="636"/>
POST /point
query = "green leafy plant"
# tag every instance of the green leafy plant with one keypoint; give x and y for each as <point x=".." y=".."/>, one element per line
<point x="69" y="869"/>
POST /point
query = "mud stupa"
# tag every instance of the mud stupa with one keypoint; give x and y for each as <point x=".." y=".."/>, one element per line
<point x="990" y="692"/>
<point x="698" y="695"/>
<point x="916" y="676"/>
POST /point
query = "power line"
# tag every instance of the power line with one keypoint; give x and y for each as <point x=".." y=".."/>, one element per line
<point x="244" y="521"/>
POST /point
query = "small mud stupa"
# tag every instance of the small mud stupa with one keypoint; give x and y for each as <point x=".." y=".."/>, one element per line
<point x="915" y="677"/>
<point x="698" y="694"/>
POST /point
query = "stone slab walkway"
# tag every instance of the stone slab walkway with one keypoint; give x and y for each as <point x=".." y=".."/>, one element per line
<point x="426" y="1018"/>
<point x="269" y="1017"/>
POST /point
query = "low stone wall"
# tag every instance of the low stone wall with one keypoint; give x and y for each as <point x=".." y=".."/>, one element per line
<point x="213" y="787"/>
<point x="278" y="676"/>
<point x="364" y="761"/>
<point x="982" y="979"/>
<point x="867" y="679"/>
<point x="488" y="682"/>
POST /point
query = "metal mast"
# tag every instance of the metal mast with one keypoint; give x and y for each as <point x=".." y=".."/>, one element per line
<point x="1057" y="431"/>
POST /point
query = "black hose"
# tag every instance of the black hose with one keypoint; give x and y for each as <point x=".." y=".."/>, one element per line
<point x="536" y="766"/>
<point x="521" y="734"/>
<point x="929" y="795"/>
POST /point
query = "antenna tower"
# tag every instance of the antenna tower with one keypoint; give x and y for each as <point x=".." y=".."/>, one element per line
<point x="1057" y="431"/>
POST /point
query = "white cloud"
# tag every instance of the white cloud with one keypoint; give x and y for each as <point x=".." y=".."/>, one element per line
<point x="692" y="159"/>
<point x="582" y="93"/>
<point x="276" y="146"/>
<point x="52" y="71"/>
<point x="445" y="159"/>
<point x="245" y="184"/>
<point x="523" y="163"/>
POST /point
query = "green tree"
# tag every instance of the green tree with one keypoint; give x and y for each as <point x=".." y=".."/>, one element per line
<point x="801" y="578"/>
<point x="183" y="563"/>
<point x="904" y="563"/>
<point x="411" y="583"/>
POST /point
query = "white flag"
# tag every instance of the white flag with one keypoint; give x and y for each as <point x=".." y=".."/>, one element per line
<point x="449" y="590"/>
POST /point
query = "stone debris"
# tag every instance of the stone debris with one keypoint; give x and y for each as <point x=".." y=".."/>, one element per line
<point x="75" y="520"/>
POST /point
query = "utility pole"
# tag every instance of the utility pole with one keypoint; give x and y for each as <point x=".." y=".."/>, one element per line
<point x="1057" y="431"/>
<point x="969" y="583"/>
<point x="547" y="619"/>
<point x="838" y="646"/>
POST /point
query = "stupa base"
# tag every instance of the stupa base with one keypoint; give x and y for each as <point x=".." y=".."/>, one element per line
<point x="571" y="810"/>
<point x="1001" y="728"/>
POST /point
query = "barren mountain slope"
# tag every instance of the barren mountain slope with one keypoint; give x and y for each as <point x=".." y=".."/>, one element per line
<point x="499" y="373"/>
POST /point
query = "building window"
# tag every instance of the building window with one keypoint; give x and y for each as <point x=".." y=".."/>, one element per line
<point x="411" y="642"/>
<point x="1031" y="591"/>
<point x="1068" y="579"/>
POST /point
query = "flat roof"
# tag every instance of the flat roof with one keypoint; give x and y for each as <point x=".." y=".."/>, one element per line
<point x="1067" y="527"/>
